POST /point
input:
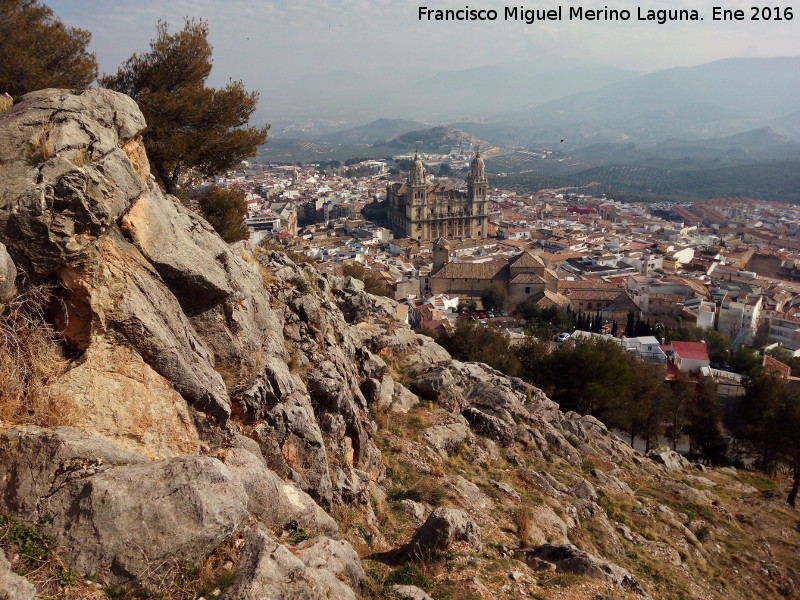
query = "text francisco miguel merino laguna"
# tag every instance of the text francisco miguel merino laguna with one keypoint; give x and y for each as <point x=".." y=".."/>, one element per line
<point x="578" y="13"/>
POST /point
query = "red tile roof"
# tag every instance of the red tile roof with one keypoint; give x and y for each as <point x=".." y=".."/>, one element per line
<point x="690" y="350"/>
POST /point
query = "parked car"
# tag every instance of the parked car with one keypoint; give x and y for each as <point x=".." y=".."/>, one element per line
<point x="563" y="337"/>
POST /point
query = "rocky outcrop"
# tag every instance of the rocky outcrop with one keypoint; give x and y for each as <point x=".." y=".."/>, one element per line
<point x="279" y="505"/>
<point x="12" y="586"/>
<point x="671" y="460"/>
<point x="229" y="399"/>
<point x="443" y="527"/>
<point x="66" y="178"/>
<point x="115" y="513"/>
<point x="320" y="569"/>
<point x="569" y="559"/>
<point x="410" y="592"/>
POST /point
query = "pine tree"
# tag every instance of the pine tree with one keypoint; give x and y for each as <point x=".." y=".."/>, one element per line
<point x="189" y="124"/>
<point x="38" y="51"/>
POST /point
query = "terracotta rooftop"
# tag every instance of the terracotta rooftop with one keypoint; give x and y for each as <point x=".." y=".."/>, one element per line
<point x="527" y="260"/>
<point x="690" y="350"/>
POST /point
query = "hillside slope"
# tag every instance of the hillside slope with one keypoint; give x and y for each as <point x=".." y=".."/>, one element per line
<point x="226" y="421"/>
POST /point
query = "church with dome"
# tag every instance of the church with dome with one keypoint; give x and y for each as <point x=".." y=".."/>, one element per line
<point x="427" y="211"/>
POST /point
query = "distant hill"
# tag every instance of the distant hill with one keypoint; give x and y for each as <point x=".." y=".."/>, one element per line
<point x="788" y="125"/>
<point x="286" y="151"/>
<point x="755" y="145"/>
<point x="436" y="139"/>
<point x="378" y="131"/>
<point x="704" y="101"/>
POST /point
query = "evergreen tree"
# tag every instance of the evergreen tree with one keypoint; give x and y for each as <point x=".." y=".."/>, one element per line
<point x="704" y="424"/>
<point x="225" y="210"/>
<point x="495" y="297"/>
<point x="189" y="125"/>
<point x="630" y="325"/>
<point x="38" y="51"/>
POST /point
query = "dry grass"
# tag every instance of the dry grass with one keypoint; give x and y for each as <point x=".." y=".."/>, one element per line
<point x="525" y="527"/>
<point x="30" y="358"/>
<point x="81" y="157"/>
<point x="41" y="148"/>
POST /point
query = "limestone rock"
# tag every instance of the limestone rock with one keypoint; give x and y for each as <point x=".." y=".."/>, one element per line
<point x="671" y="460"/>
<point x="415" y="510"/>
<point x="379" y="391"/>
<point x="312" y="572"/>
<point x="8" y="275"/>
<point x="113" y="513"/>
<point x="469" y="493"/>
<point x="489" y="425"/>
<point x="410" y="592"/>
<point x="66" y="180"/>
<point x="584" y="490"/>
<point x="443" y="527"/>
<point x="123" y="523"/>
<point x="569" y="559"/>
<point x="184" y="249"/>
<point x="506" y="489"/>
<point x="448" y="434"/>
<point x="279" y="505"/>
<point x="336" y="559"/>
<point x="610" y="482"/>
<point x="122" y="299"/>
<point x="294" y="448"/>
<point x="430" y="385"/>
<point x="113" y="394"/>
<point x="222" y="293"/>
<point x="404" y="399"/>
<point x="13" y="586"/>
<point x="36" y="462"/>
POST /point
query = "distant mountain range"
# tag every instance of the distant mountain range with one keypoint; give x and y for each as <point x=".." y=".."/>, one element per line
<point x="543" y="102"/>
<point x="727" y="127"/>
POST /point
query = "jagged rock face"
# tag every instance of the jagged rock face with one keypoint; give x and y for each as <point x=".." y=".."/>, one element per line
<point x="321" y="569"/>
<point x="139" y="271"/>
<point x="118" y="515"/>
<point x="66" y="179"/>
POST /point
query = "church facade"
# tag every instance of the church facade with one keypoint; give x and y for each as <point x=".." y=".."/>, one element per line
<point x="423" y="211"/>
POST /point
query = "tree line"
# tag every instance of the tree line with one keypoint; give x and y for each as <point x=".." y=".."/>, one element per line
<point x="595" y="376"/>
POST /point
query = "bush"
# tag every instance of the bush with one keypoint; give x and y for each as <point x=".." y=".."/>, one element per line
<point x="225" y="210"/>
<point x="33" y="545"/>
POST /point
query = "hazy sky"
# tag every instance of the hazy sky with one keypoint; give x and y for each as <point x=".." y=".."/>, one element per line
<point x="268" y="43"/>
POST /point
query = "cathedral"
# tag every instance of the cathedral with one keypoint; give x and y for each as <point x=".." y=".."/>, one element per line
<point x="424" y="211"/>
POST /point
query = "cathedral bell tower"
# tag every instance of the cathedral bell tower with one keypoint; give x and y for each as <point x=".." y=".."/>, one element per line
<point x="416" y="180"/>
<point x="476" y="191"/>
